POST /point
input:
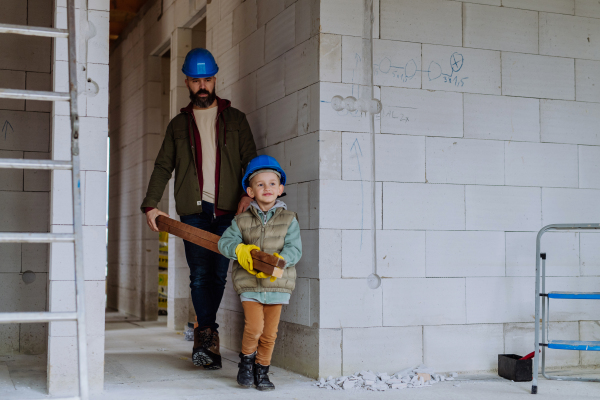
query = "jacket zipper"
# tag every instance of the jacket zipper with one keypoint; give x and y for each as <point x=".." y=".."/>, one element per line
<point x="193" y="140"/>
<point x="218" y="157"/>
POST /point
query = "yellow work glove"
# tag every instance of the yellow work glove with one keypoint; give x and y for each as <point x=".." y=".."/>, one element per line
<point x="264" y="276"/>
<point x="273" y="278"/>
<point x="242" y="251"/>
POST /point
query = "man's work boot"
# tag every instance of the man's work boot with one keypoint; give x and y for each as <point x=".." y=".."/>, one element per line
<point x="206" y="349"/>
<point x="245" y="376"/>
<point x="261" y="378"/>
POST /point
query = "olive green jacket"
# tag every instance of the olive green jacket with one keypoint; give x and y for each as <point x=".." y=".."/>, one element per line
<point x="235" y="149"/>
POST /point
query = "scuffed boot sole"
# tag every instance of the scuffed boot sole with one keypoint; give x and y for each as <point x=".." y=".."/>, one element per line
<point x="210" y="362"/>
<point x="245" y="386"/>
<point x="265" y="389"/>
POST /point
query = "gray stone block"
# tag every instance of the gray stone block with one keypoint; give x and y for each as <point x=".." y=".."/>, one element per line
<point x="12" y="80"/>
<point x="34" y="257"/>
<point x="36" y="180"/>
<point x="27" y="131"/>
<point x="9" y="339"/>
<point x="16" y="295"/>
<point x="38" y="81"/>
<point x="10" y="254"/>
<point x="11" y="179"/>
<point x="24" y="211"/>
<point x="33" y="338"/>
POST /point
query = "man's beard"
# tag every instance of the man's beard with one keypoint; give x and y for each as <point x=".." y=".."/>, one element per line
<point x="202" y="102"/>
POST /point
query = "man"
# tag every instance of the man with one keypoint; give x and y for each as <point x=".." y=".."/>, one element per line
<point x="209" y="144"/>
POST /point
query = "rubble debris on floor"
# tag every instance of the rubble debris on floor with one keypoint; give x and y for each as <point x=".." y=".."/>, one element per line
<point x="418" y="377"/>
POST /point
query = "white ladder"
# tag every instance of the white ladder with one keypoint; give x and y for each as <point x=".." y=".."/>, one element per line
<point x="73" y="165"/>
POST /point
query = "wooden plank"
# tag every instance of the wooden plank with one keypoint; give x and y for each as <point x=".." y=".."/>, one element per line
<point x="263" y="262"/>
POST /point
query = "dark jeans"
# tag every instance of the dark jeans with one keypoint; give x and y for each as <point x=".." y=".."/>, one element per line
<point x="208" y="270"/>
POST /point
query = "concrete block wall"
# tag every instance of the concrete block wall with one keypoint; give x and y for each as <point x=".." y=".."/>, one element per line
<point x="25" y="194"/>
<point x="268" y="54"/>
<point x="489" y="131"/>
<point x="146" y="89"/>
<point x="93" y="122"/>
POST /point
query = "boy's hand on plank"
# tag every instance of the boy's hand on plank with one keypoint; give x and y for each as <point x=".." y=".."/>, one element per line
<point x="242" y="251"/>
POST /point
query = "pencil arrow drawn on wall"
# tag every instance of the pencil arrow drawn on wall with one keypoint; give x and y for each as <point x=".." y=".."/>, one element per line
<point x="6" y="127"/>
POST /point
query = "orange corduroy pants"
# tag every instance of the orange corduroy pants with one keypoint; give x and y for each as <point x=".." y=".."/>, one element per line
<point x="260" y="330"/>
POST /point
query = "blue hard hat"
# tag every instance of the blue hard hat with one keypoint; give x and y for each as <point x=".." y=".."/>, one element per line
<point x="199" y="63"/>
<point x="262" y="162"/>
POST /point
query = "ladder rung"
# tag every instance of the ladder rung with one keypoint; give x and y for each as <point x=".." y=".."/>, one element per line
<point x="33" y="31"/>
<point x="18" y="94"/>
<point x="42" y="316"/>
<point x="20" y="163"/>
<point x="15" y="237"/>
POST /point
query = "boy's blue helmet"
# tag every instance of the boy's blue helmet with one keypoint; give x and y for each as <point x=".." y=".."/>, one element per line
<point x="199" y="63"/>
<point x="262" y="162"/>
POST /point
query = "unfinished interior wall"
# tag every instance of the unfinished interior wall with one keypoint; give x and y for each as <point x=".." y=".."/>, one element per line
<point x="24" y="194"/>
<point x="146" y="88"/>
<point x="268" y="54"/>
<point x="92" y="60"/>
<point x="489" y="131"/>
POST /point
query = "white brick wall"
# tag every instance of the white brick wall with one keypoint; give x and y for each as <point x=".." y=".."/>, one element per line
<point x="589" y="165"/>
<point x="503" y="208"/>
<point x="502" y="118"/>
<point x="469" y="253"/>
<point x="570" y="122"/>
<point x="349" y="303"/>
<point x="555" y="6"/>
<point x="408" y="111"/>
<point x="569" y="36"/>
<point x="512" y="149"/>
<point x="445" y="347"/>
<point x="423" y="206"/>
<point x="587" y="79"/>
<point x="386" y="340"/>
<point x="562" y="250"/>
<point x="587" y="8"/>
<point x="500" y="28"/>
<point x="454" y="161"/>
<point x="426" y="21"/>
<point x="563" y="206"/>
<point x="530" y="75"/>
<point x="541" y="164"/>
<point x="458" y="69"/>
<point x="498" y="299"/>
<point x="464" y="181"/>
<point x="423" y="301"/>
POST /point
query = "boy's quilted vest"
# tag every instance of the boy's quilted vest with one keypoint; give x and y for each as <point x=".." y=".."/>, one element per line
<point x="270" y="238"/>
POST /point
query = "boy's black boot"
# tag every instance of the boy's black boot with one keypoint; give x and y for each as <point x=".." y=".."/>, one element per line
<point x="261" y="377"/>
<point x="206" y="350"/>
<point x="245" y="376"/>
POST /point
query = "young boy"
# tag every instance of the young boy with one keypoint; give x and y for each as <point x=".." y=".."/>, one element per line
<point x="267" y="225"/>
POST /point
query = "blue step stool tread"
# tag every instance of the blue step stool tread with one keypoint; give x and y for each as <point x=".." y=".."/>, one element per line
<point x="574" y="345"/>
<point x="575" y="295"/>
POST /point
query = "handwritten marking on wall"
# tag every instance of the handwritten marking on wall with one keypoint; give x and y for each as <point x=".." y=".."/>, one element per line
<point x="6" y="127"/>
<point x="456" y="63"/>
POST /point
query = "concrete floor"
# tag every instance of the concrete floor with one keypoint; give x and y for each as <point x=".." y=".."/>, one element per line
<point x="146" y="361"/>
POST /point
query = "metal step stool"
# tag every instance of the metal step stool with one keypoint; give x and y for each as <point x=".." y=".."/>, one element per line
<point x="544" y="298"/>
